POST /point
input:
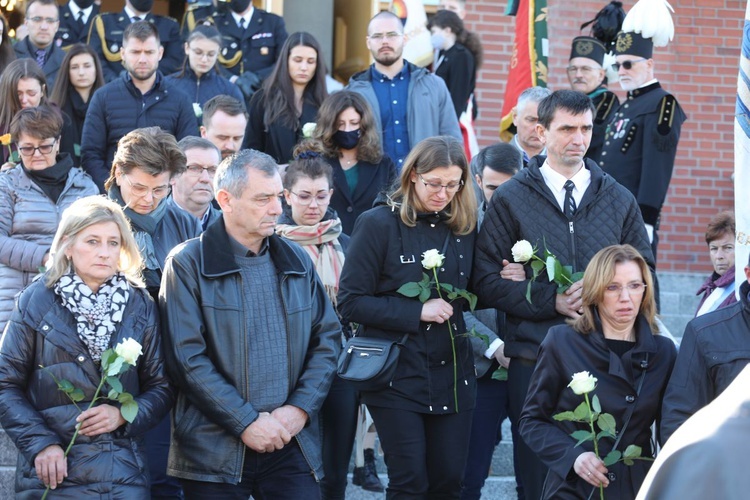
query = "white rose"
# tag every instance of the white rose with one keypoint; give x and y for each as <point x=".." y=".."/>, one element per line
<point x="129" y="350"/>
<point x="308" y="129"/>
<point x="583" y="382"/>
<point x="522" y="251"/>
<point x="432" y="259"/>
<point x="197" y="110"/>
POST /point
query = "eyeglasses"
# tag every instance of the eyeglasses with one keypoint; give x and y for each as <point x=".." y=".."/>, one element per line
<point x="201" y="55"/>
<point x="391" y="35"/>
<point x="140" y="190"/>
<point x="44" y="149"/>
<point x="626" y="64"/>
<point x="636" y="288"/>
<point x="435" y="187"/>
<point x="583" y="69"/>
<point x="40" y="20"/>
<point x="197" y="170"/>
<point x="307" y="199"/>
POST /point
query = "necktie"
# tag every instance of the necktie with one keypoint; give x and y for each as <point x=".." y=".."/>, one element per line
<point x="570" y="202"/>
<point x="136" y="19"/>
<point x="80" y="18"/>
<point x="242" y="24"/>
<point x="40" y="57"/>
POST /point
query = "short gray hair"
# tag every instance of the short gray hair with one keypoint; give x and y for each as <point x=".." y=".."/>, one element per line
<point x="232" y="173"/>
<point x="194" y="142"/>
<point x="532" y="94"/>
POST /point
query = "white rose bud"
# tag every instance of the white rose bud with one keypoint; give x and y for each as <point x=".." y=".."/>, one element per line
<point x="582" y="383"/>
<point x="522" y="251"/>
<point x="129" y="350"/>
<point x="308" y="129"/>
<point x="432" y="259"/>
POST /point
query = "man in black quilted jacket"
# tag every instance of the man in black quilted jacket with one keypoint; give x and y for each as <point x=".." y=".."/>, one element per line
<point x="570" y="205"/>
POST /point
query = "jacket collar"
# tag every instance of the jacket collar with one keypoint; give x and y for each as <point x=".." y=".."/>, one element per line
<point x="532" y="177"/>
<point x="366" y="74"/>
<point x="217" y="259"/>
<point x="643" y="90"/>
<point x="714" y="281"/>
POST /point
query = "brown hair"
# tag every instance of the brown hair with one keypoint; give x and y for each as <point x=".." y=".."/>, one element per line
<point x="62" y="86"/>
<point x="308" y="162"/>
<point x="149" y="149"/>
<point x="448" y="19"/>
<point x="224" y="103"/>
<point x="723" y="223"/>
<point x="43" y="122"/>
<point x="598" y="276"/>
<point x="141" y="31"/>
<point x="368" y="148"/>
<point x="201" y="32"/>
<point x="20" y="69"/>
<point x="427" y="155"/>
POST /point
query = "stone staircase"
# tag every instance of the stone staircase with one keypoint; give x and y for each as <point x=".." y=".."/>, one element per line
<point x="678" y="303"/>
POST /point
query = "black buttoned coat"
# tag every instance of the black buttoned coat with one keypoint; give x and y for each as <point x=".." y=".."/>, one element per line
<point x="565" y="352"/>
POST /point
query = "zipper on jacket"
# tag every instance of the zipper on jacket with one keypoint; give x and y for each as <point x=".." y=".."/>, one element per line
<point x="572" y="233"/>
<point x="246" y="381"/>
<point x="198" y="90"/>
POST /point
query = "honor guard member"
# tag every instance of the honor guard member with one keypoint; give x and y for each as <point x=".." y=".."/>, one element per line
<point x="252" y="41"/>
<point x="586" y="74"/>
<point x="75" y="20"/>
<point x="640" y="143"/>
<point x="199" y="10"/>
<point x="105" y="37"/>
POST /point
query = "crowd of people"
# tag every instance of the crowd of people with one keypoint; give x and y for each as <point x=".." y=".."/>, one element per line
<point x="196" y="190"/>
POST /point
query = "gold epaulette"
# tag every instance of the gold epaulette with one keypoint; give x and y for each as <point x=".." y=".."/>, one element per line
<point x="666" y="114"/>
<point x="108" y="54"/>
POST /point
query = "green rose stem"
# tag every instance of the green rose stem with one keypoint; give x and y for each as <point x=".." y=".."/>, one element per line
<point x="453" y="344"/>
<point x="78" y="428"/>
<point x="596" y="441"/>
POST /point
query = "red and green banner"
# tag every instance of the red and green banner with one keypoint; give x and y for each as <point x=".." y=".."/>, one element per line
<point x="528" y="63"/>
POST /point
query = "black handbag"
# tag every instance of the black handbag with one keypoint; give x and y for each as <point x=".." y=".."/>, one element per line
<point x="369" y="363"/>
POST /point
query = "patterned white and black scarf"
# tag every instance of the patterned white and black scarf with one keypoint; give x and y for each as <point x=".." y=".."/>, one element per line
<point x="97" y="314"/>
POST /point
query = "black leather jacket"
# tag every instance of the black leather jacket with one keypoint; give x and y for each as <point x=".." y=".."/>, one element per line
<point x="202" y="306"/>
<point x="35" y="414"/>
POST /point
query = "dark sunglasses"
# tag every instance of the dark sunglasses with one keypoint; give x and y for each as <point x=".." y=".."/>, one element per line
<point x="626" y="64"/>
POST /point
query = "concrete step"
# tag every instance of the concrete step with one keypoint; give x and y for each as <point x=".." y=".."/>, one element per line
<point x="496" y="488"/>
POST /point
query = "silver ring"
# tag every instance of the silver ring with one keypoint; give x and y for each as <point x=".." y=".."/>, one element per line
<point x="589" y="473"/>
<point x="445" y="315"/>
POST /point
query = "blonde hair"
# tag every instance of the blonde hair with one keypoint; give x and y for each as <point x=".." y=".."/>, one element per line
<point x="599" y="274"/>
<point x="78" y="216"/>
<point x="429" y="154"/>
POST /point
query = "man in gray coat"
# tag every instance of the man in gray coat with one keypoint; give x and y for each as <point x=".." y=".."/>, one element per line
<point x="409" y="103"/>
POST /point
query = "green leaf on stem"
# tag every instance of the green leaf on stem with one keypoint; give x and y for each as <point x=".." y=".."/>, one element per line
<point x="612" y="458"/>
<point x="447" y="287"/>
<point x="76" y="395"/>
<point x="582" y="413"/>
<point x="115" y="383"/>
<point x="114" y="368"/>
<point x="474" y="333"/>
<point x="500" y="374"/>
<point x="605" y="434"/>
<point x="582" y="436"/>
<point x="606" y="423"/>
<point x="410" y="289"/>
<point x="566" y="273"/>
<point x="577" y="276"/>
<point x="565" y="416"/>
<point x="632" y="451"/>
<point x="528" y="291"/>
<point x="129" y="410"/>
<point x="537" y="266"/>
<point x="65" y="386"/>
<point x="424" y="295"/>
<point x="595" y="404"/>
<point x="113" y="394"/>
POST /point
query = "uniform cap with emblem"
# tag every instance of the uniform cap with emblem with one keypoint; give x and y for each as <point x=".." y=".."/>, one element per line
<point x="604" y="28"/>
<point x="588" y="47"/>
<point x="648" y="24"/>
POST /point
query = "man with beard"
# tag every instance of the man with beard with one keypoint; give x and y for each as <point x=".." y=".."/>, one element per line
<point x="139" y="98"/>
<point x="252" y="41"/>
<point x="587" y="75"/>
<point x="224" y="122"/>
<point x="408" y="102"/>
<point x="640" y="143"/>
<point x="107" y="29"/>
<point x="193" y="190"/>
<point x="75" y="20"/>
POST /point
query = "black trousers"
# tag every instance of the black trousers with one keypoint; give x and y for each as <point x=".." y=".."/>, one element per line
<point x="532" y="470"/>
<point x="338" y="418"/>
<point x="425" y="454"/>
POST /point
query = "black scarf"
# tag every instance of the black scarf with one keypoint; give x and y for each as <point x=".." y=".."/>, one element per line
<point x="52" y="179"/>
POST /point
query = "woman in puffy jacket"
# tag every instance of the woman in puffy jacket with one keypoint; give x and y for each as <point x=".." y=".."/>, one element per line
<point x="33" y="195"/>
<point x="90" y="300"/>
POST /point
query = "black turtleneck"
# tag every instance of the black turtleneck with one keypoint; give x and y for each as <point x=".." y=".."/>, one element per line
<point x="52" y="179"/>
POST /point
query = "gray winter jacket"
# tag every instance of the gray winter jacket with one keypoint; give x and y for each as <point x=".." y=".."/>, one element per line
<point x="28" y="222"/>
<point x="430" y="110"/>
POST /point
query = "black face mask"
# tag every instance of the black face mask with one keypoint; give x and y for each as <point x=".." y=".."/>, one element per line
<point x="142" y="5"/>
<point x="346" y="140"/>
<point x="239" y="6"/>
<point x="84" y="4"/>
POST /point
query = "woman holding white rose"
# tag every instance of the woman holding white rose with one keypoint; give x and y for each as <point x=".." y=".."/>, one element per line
<point x="90" y="299"/>
<point x="617" y="341"/>
<point x="424" y="415"/>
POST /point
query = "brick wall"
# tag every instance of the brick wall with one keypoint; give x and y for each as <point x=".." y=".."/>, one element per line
<point x="699" y="67"/>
